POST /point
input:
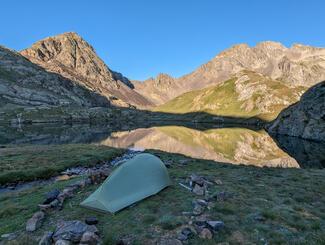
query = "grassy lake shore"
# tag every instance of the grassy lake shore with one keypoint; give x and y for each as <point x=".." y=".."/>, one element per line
<point x="263" y="205"/>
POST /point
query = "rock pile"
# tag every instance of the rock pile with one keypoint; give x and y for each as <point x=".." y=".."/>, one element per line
<point x="68" y="232"/>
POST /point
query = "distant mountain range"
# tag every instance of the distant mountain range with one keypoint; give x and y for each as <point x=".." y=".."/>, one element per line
<point x="296" y="66"/>
<point x="242" y="81"/>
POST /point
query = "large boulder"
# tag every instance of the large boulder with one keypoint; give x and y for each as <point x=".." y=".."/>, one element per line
<point x="73" y="231"/>
<point x="305" y="119"/>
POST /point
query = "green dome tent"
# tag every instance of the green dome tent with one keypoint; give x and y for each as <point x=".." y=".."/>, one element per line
<point x="142" y="176"/>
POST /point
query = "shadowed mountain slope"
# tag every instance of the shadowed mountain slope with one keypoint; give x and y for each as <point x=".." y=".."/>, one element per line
<point x="23" y="83"/>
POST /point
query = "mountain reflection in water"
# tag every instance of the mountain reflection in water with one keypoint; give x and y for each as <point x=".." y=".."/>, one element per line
<point x="231" y="145"/>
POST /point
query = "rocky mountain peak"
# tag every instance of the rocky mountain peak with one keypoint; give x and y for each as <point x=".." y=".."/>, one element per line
<point x="71" y="56"/>
<point x="270" y="45"/>
<point x="70" y="50"/>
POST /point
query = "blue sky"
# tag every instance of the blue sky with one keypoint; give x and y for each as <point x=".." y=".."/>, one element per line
<point x="141" y="38"/>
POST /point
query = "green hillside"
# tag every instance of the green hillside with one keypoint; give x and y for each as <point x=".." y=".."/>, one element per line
<point x="247" y="95"/>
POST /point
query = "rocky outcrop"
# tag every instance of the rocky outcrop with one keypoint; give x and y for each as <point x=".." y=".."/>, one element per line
<point x="305" y="119"/>
<point x="72" y="57"/>
<point x="296" y="66"/>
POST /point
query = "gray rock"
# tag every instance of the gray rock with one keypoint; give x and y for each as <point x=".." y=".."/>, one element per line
<point x="199" y="225"/>
<point x="46" y="238"/>
<point x="72" y="230"/>
<point x="44" y="207"/>
<point x="55" y="203"/>
<point x="169" y="241"/>
<point x="90" y="238"/>
<point x="195" y="179"/>
<point x="198" y="190"/>
<point x="51" y="196"/>
<point x="205" y="234"/>
<point x="9" y="236"/>
<point x="35" y="222"/>
<point x="215" y="225"/>
<point x="185" y="234"/>
<point x="198" y="209"/>
<point x="201" y="202"/>
<point x="62" y="242"/>
<point x="305" y="119"/>
<point x="91" y="221"/>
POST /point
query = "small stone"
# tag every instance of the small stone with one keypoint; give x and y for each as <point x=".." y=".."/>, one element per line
<point x="62" y="177"/>
<point x="218" y="181"/>
<point x="182" y="237"/>
<point x="44" y="207"/>
<point x="51" y="196"/>
<point x="199" y="190"/>
<point x="197" y="179"/>
<point x="126" y="240"/>
<point x="91" y="221"/>
<point x="9" y="236"/>
<point x="202" y="202"/>
<point x="46" y="239"/>
<point x="92" y="228"/>
<point x="199" y="225"/>
<point x="185" y="234"/>
<point x="88" y="181"/>
<point x="183" y="161"/>
<point x="215" y="225"/>
<point x="198" y="209"/>
<point x="55" y="203"/>
<point x="89" y="238"/>
<point x="35" y="222"/>
<point x="205" y="234"/>
<point x="169" y="241"/>
<point x="81" y="183"/>
<point x="259" y="218"/>
<point x="62" y="242"/>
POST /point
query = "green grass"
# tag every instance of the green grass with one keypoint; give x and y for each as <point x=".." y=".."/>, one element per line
<point x="34" y="162"/>
<point x="290" y="200"/>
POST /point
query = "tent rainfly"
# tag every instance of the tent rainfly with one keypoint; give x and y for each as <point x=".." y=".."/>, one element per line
<point x="140" y="177"/>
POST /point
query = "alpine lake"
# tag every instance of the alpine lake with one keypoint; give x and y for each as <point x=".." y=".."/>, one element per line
<point x="270" y="189"/>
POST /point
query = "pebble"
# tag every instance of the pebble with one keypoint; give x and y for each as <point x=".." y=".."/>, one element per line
<point x="215" y="225"/>
<point x="91" y="221"/>
<point x="205" y="234"/>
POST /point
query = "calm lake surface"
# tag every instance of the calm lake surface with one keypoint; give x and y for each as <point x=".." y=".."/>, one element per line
<point x="219" y="143"/>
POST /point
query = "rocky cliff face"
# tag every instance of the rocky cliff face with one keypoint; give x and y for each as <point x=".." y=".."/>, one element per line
<point x="23" y="83"/>
<point x="72" y="57"/>
<point x="296" y="66"/>
<point x="305" y="119"/>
